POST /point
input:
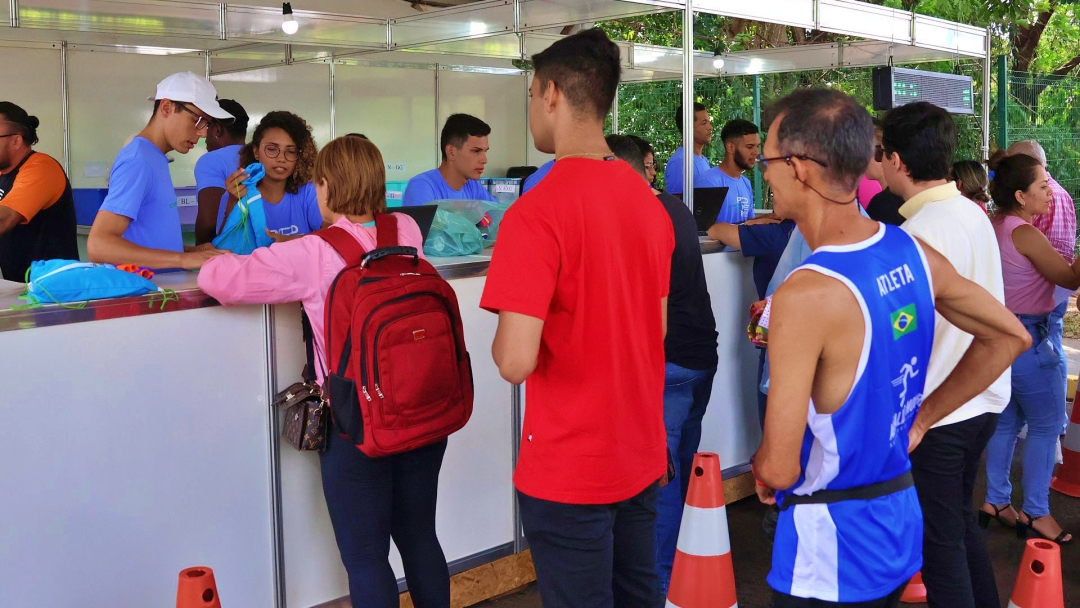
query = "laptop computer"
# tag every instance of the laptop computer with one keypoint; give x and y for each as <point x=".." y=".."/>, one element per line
<point x="707" y="205"/>
<point x="423" y="214"/>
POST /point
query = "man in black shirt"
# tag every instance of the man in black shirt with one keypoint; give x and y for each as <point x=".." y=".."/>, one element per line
<point x="885" y="206"/>
<point x="690" y="352"/>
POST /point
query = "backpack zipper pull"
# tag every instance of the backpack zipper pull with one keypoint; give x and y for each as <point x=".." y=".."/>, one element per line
<point x="366" y="395"/>
<point x="381" y="396"/>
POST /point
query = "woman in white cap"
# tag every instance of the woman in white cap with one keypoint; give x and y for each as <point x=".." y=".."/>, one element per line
<point x="138" y="222"/>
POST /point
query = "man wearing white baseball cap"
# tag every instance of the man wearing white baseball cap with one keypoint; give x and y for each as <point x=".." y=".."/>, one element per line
<point x="139" y="222"/>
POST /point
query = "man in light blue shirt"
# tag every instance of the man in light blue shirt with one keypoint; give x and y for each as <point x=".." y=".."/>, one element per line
<point x="138" y="222"/>
<point x="222" y="159"/>
<point x="742" y="144"/>
<point x="703" y="131"/>
<point x="532" y="180"/>
<point x="464" y="144"/>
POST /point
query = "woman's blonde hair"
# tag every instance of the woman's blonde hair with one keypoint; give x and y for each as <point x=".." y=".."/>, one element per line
<point x="972" y="176"/>
<point x="355" y="176"/>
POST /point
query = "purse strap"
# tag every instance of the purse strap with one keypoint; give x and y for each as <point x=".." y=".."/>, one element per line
<point x="308" y="375"/>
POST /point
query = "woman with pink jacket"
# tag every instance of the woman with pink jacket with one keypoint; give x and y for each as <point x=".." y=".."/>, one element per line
<point x="370" y="500"/>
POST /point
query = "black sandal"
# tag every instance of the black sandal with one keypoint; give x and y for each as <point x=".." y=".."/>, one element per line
<point x="984" y="517"/>
<point x="1026" y="530"/>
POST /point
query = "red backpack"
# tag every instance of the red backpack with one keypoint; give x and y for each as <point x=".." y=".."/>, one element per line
<point x="403" y="378"/>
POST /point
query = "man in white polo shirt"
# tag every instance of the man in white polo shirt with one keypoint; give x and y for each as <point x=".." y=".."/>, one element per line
<point x="919" y="141"/>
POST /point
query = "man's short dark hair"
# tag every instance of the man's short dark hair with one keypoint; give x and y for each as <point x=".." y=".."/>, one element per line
<point x="925" y="137"/>
<point x="25" y="125"/>
<point x="239" y="125"/>
<point x="698" y="107"/>
<point x="737" y="128"/>
<point x="646" y="147"/>
<point x="459" y="128"/>
<point x="829" y="127"/>
<point x="625" y="148"/>
<point x="586" y="69"/>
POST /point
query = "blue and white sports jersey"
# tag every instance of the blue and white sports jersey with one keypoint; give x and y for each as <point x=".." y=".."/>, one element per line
<point x="862" y="550"/>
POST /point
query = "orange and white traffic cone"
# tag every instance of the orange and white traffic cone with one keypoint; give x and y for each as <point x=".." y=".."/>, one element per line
<point x="702" y="576"/>
<point x="1067" y="479"/>
<point x="915" y="592"/>
<point x="1038" y="584"/>
<point x="197" y="589"/>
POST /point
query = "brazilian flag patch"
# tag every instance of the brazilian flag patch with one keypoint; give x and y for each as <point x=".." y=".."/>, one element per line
<point x="904" y="321"/>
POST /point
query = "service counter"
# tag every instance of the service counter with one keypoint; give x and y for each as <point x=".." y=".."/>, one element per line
<point x="140" y="442"/>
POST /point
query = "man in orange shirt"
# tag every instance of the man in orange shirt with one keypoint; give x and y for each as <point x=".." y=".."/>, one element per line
<point x="37" y="212"/>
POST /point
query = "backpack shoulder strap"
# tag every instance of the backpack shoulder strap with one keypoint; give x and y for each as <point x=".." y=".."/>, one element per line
<point x="342" y="242"/>
<point x="386" y="230"/>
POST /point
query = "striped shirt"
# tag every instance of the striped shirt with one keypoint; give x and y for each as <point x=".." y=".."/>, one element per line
<point x="1059" y="224"/>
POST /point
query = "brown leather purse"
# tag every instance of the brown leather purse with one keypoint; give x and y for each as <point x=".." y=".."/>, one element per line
<point x="307" y="412"/>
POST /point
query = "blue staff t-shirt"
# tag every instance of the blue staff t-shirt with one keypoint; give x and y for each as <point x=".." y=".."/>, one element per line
<point x="430" y="186"/>
<point x="213" y="169"/>
<point x="141" y="189"/>
<point x="673" y="173"/>
<point x="295" y="213"/>
<point x="739" y="203"/>
<point x="535" y="178"/>
<point x="765" y="243"/>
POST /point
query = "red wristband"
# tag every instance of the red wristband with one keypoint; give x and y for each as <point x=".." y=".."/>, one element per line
<point x="756" y="480"/>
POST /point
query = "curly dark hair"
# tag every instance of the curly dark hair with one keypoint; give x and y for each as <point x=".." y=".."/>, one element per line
<point x="300" y="132"/>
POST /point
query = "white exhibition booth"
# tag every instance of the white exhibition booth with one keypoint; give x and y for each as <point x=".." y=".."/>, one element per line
<point x="142" y="442"/>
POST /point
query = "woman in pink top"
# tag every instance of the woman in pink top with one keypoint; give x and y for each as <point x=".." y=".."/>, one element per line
<point x="370" y="500"/>
<point x="1030" y="267"/>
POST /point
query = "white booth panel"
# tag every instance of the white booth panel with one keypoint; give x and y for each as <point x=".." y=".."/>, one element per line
<point x="496" y="99"/>
<point x="107" y="104"/>
<point x="303" y="89"/>
<point x="150" y="456"/>
<point x="37" y="72"/>
<point x="731" y="428"/>
<point x="395" y="108"/>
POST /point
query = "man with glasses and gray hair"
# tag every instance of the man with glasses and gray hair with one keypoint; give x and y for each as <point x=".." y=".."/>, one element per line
<point x="139" y="222"/>
<point x="37" y="212"/>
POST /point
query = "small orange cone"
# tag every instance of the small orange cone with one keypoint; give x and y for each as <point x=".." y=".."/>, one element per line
<point x="1067" y="479"/>
<point x="702" y="576"/>
<point x="197" y="589"/>
<point x="1038" y="584"/>
<point x="915" y="592"/>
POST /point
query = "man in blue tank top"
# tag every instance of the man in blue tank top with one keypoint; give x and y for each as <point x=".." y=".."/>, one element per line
<point x="850" y="334"/>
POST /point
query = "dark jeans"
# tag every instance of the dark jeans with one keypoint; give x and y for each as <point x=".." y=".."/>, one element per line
<point x="956" y="564"/>
<point x="594" y="556"/>
<point x="372" y="500"/>
<point x="783" y="600"/>
<point x="686" y="396"/>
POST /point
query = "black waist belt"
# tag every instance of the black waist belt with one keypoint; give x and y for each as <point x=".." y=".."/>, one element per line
<point x="874" y="490"/>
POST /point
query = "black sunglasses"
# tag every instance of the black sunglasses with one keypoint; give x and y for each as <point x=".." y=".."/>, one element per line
<point x="201" y="122"/>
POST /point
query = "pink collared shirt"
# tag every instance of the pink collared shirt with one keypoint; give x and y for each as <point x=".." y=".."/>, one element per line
<point x="1059" y="224"/>
<point x="298" y="270"/>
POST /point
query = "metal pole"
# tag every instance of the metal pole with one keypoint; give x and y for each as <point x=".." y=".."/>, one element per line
<point x="758" y="202"/>
<point x="1003" y="102"/>
<point x="13" y="10"/>
<point x="439" y="153"/>
<point x="333" y="101"/>
<point x="615" y="113"/>
<point x="64" y="105"/>
<point x="688" y="105"/>
<point x="986" y="96"/>
<point x="206" y="54"/>
<point x="277" y="528"/>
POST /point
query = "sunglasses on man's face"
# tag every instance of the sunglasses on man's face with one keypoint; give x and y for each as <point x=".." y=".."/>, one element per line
<point x="879" y="153"/>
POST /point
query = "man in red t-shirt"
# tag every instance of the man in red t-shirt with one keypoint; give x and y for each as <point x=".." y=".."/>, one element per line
<point x="579" y="279"/>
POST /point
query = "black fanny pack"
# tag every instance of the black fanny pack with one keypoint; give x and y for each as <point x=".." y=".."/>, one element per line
<point x="874" y="490"/>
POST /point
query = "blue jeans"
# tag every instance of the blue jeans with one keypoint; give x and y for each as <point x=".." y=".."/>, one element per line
<point x="686" y="395"/>
<point x="1038" y="397"/>
<point x="1057" y="330"/>
<point x="372" y="500"/>
<point x="594" y="556"/>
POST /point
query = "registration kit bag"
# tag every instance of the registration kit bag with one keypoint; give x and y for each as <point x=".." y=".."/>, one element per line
<point x="400" y="375"/>
<point x="245" y="228"/>
<point x="306" y="409"/>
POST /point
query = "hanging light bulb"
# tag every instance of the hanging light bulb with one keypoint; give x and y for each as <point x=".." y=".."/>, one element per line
<point x="288" y="24"/>
<point x="718" y="57"/>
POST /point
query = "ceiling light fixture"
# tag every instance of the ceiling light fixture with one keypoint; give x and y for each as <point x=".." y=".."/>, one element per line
<point x="718" y="57"/>
<point x="288" y="24"/>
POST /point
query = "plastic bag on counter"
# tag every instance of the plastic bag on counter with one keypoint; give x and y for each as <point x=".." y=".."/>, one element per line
<point x="245" y="228"/>
<point x="452" y="235"/>
<point x="485" y="215"/>
<point x="64" y="281"/>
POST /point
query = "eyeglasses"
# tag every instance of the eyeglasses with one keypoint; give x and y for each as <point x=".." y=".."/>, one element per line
<point x="879" y="153"/>
<point x="201" y="122"/>
<point x="273" y="151"/>
<point x="8" y="135"/>
<point x="649" y="165"/>
<point x="764" y="162"/>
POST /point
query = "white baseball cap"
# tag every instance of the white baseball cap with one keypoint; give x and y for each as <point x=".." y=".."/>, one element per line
<point x="187" y="87"/>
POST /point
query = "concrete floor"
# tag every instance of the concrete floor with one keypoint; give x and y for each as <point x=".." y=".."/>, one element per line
<point x="752" y="551"/>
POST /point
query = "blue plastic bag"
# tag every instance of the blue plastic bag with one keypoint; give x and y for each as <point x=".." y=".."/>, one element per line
<point x="452" y="235"/>
<point x="245" y="228"/>
<point x="62" y="281"/>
